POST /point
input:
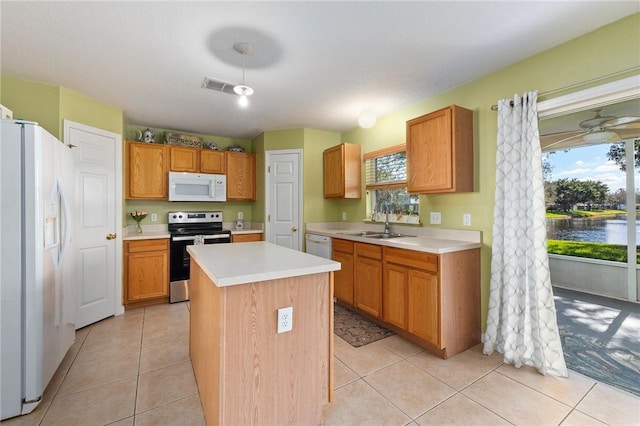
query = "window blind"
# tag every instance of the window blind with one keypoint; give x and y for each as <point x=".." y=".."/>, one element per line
<point x="386" y="168"/>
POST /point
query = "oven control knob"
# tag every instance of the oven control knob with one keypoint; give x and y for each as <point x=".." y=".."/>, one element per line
<point x="174" y="216"/>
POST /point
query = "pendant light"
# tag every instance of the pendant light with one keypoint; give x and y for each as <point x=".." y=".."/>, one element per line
<point x="242" y="89"/>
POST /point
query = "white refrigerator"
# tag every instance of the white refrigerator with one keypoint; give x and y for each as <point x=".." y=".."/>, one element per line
<point x="37" y="293"/>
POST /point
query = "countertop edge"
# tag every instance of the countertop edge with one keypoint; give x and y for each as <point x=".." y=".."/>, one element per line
<point x="324" y="265"/>
<point x="405" y="243"/>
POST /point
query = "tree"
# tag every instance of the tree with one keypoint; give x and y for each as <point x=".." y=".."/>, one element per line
<point x="617" y="153"/>
<point x="617" y="198"/>
<point x="568" y="193"/>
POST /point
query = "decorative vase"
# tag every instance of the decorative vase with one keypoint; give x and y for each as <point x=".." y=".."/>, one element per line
<point x="138" y="228"/>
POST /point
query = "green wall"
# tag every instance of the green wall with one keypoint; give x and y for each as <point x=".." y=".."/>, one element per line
<point x="33" y="101"/>
<point x="51" y="105"/>
<point x="312" y="143"/>
<point x="567" y="64"/>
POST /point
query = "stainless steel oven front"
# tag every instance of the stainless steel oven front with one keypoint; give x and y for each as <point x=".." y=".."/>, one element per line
<point x="185" y="229"/>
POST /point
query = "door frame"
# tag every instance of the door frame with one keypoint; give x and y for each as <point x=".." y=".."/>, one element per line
<point x="605" y="94"/>
<point x="267" y="192"/>
<point x="118" y="306"/>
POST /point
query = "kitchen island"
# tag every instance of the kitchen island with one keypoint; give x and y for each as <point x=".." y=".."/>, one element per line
<point x="247" y="372"/>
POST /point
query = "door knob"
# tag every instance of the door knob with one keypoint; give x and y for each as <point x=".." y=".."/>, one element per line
<point x="294" y="228"/>
<point x="112" y="236"/>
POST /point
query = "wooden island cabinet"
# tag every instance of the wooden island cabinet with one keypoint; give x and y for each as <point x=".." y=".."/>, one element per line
<point x="247" y="372"/>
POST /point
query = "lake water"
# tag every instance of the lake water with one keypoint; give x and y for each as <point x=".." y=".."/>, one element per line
<point x="611" y="231"/>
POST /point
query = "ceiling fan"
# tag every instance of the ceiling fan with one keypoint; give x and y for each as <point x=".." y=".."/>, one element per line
<point x="596" y="130"/>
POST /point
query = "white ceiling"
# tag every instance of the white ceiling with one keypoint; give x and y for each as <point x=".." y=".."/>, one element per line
<point x="315" y="64"/>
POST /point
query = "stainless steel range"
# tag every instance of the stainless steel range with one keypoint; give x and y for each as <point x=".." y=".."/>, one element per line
<point x="187" y="228"/>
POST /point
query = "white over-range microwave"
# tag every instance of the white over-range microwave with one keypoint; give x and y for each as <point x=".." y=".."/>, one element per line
<point x="197" y="187"/>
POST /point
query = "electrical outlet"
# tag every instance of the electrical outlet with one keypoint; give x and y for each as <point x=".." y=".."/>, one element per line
<point x="285" y="319"/>
<point x="240" y="215"/>
<point x="154" y="217"/>
<point x="344" y="215"/>
<point x="466" y="219"/>
<point x="436" y="218"/>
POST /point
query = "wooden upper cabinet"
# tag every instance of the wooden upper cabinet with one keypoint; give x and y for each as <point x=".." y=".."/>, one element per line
<point x="212" y="162"/>
<point x="184" y="159"/>
<point x="440" y="152"/>
<point x="146" y="171"/>
<point x="241" y="176"/>
<point x="342" y="171"/>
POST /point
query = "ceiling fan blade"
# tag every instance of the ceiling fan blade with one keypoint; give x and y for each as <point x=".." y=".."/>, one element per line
<point x="619" y="121"/>
<point x="561" y="139"/>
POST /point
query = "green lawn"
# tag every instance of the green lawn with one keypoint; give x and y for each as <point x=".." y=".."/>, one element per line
<point x="555" y="214"/>
<point x="603" y="251"/>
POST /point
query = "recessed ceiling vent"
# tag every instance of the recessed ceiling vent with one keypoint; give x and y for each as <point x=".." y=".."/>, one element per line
<point x="218" y="85"/>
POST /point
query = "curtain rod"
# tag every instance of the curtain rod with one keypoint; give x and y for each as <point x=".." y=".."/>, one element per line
<point x="562" y="89"/>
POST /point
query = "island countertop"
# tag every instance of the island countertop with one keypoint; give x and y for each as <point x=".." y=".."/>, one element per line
<point x="234" y="264"/>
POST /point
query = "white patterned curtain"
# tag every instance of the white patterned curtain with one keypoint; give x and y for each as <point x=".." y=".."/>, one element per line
<point x="521" y="321"/>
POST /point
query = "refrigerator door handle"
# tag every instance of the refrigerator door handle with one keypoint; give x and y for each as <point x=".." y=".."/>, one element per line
<point x="65" y="229"/>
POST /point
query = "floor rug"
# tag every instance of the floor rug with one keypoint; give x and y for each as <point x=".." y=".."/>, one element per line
<point x="356" y="329"/>
<point x="600" y="337"/>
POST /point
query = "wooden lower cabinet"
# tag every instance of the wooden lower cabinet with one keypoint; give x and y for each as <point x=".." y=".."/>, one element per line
<point x="422" y="306"/>
<point x="437" y="297"/>
<point x="245" y="238"/>
<point x="395" y="288"/>
<point x="146" y="272"/>
<point x="432" y="299"/>
<point x="367" y="282"/>
<point x="343" y="279"/>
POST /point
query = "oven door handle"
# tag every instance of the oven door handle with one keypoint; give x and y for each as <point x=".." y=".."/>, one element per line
<point x="206" y="237"/>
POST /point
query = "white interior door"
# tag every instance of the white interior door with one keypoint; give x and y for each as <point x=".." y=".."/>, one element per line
<point x="97" y="215"/>
<point x="284" y="198"/>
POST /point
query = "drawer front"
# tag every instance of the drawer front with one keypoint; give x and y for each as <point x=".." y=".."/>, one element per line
<point x="414" y="259"/>
<point x="344" y="246"/>
<point x="147" y="245"/>
<point x="369" y="250"/>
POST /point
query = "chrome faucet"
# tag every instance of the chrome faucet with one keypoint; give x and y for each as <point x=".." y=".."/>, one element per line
<point x="384" y="208"/>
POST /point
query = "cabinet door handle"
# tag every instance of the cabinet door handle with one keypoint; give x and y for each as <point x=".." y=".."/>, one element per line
<point x="294" y="228"/>
<point x="112" y="236"/>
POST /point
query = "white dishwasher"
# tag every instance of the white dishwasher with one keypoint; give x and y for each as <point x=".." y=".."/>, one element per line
<point x="318" y="245"/>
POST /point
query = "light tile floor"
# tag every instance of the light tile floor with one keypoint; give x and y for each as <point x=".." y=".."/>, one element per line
<point x="135" y="369"/>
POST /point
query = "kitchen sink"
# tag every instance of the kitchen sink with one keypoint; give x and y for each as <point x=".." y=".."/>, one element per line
<point x="383" y="236"/>
<point x="361" y="233"/>
<point x="375" y="234"/>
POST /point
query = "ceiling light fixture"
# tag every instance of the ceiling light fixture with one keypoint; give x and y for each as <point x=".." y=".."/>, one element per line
<point x="598" y="137"/>
<point x="242" y="89"/>
<point x="367" y="118"/>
